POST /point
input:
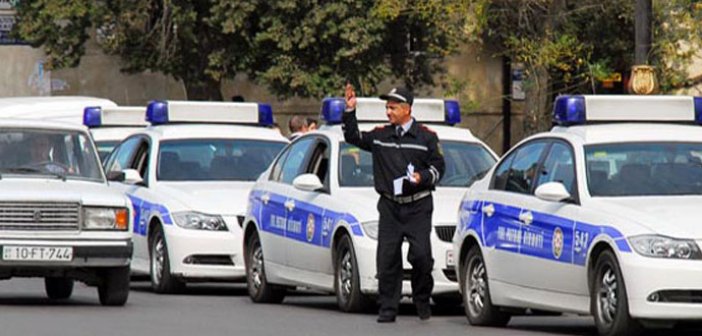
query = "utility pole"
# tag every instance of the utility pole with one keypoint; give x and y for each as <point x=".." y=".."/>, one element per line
<point x="643" y="76"/>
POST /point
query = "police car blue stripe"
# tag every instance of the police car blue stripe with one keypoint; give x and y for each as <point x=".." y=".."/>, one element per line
<point x="142" y="209"/>
<point x="549" y="237"/>
<point x="307" y="223"/>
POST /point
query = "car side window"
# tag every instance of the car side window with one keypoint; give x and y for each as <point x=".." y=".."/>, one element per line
<point x="319" y="162"/>
<point x="295" y="160"/>
<point x="122" y="158"/>
<point x="522" y="163"/>
<point x="559" y="167"/>
<point x="141" y="159"/>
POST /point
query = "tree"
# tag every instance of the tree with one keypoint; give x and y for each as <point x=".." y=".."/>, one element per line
<point x="176" y="37"/>
<point x="568" y="45"/>
<point x="306" y="48"/>
<point x="309" y="48"/>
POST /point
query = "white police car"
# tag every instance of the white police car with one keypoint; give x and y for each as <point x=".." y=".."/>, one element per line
<point x="58" y="218"/>
<point x="110" y="125"/>
<point x="597" y="216"/>
<point x="312" y="219"/>
<point x="188" y="177"/>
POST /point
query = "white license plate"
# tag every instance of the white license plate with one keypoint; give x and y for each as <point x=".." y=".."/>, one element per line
<point x="37" y="253"/>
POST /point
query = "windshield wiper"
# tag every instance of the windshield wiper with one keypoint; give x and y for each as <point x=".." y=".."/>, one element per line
<point x="32" y="170"/>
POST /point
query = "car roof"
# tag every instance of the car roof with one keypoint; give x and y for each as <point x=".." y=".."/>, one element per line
<point x="40" y="124"/>
<point x="190" y="131"/>
<point x="630" y="132"/>
<point x="68" y="108"/>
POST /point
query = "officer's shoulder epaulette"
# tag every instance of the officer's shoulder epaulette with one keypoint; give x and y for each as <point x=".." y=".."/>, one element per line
<point x="425" y="128"/>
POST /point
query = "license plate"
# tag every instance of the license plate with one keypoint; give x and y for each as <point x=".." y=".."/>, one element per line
<point x="449" y="259"/>
<point x="37" y="253"/>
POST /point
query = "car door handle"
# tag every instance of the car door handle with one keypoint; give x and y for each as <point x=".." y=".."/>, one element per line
<point x="290" y="205"/>
<point x="265" y="198"/>
<point x="526" y="217"/>
<point x="488" y="210"/>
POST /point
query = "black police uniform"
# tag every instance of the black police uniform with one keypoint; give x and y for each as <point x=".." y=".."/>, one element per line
<point x="403" y="216"/>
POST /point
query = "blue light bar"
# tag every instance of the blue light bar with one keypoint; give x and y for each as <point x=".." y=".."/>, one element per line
<point x="333" y="109"/>
<point x="265" y="115"/>
<point x="569" y="110"/>
<point x="92" y="116"/>
<point x="157" y="112"/>
<point x="698" y="110"/>
<point x="453" y="112"/>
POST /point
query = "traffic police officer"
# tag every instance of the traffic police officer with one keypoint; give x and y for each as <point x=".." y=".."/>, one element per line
<point x="407" y="165"/>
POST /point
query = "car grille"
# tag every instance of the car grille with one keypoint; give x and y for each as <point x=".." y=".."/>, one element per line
<point x="445" y="232"/>
<point x="38" y="216"/>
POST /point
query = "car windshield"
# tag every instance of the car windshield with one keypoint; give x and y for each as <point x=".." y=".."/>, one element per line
<point x="466" y="162"/>
<point x="215" y="159"/>
<point x="105" y="148"/>
<point x="644" y="169"/>
<point x="61" y="153"/>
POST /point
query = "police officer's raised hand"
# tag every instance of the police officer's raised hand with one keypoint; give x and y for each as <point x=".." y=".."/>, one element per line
<point x="350" y="95"/>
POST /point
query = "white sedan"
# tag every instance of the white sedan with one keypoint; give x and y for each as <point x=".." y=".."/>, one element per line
<point x="188" y="177"/>
<point x="597" y="216"/>
<point x="312" y="219"/>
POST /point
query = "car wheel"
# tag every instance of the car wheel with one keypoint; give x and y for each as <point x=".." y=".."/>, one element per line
<point x="609" y="299"/>
<point x="113" y="289"/>
<point x="58" y="288"/>
<point x="260" y="291"/>
<point x="162" y="281"/>
<point x="347" y="283"/>
<point x="476" y="293"/>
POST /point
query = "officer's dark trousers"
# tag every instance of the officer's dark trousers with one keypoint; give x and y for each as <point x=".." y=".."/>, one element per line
<point x="398" y="221"/>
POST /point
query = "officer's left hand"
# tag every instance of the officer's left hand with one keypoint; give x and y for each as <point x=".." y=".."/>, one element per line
<point x="416" y="178"/>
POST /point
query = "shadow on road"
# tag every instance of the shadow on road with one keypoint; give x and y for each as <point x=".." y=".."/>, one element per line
<point x="209" y="289"/>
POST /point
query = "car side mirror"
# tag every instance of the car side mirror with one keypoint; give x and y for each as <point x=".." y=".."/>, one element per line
<point x="132" y="176"/>
<point x="552" y="192"/>
<point x="308" y="182"/>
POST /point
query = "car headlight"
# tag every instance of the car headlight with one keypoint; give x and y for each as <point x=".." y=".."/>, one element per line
<point x="371" y="229"/>
<point x="665" y="247"/>
<point x="199" y="221"/>
<point x="105" y="219"/>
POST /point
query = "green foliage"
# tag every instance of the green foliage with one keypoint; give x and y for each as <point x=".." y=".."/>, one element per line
<point x="295" y="47"/>
<point x="572" y="44"/>
<point x="58" y="25"/>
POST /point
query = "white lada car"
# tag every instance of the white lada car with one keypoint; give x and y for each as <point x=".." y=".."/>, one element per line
<point x="597" y="216"/>
<point x="58" y="218"/>
<point x="110" y="125"/>
<point x="188" y="178"/>
<point x="312" y="219"/>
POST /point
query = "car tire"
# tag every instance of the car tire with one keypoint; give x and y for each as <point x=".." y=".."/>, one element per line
<point x="476" y="293"/>
<point x="347" y="283"/>
<point x="610" y="305"/>
<point x="113" y="289"/>
<point x="58" y="288"/>
<point x="162" y="281"/>
<point x="260" y="290"/>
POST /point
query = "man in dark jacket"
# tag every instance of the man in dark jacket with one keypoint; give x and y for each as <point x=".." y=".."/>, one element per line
<point x="407" y="165"/>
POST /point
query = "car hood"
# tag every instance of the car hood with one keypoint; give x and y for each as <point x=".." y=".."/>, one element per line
<point x="446" y="202"/>
<point x="55" y="190"/>
<point x="220" y="197"/>
<point x="675" y="216"/>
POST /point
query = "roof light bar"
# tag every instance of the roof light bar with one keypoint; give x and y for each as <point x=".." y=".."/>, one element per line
<point x="96" y="116"/>
<point x="164" y="112"/>
<point x="371" y="110"/>
<point x="578" y="110"/>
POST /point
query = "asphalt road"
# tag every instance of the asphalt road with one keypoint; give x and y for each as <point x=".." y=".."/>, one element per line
<point x="226" y="310"/>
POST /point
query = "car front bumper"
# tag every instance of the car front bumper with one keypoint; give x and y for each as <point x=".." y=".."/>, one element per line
<point x="645" y="276"/>
<point x="205" y="255"/>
